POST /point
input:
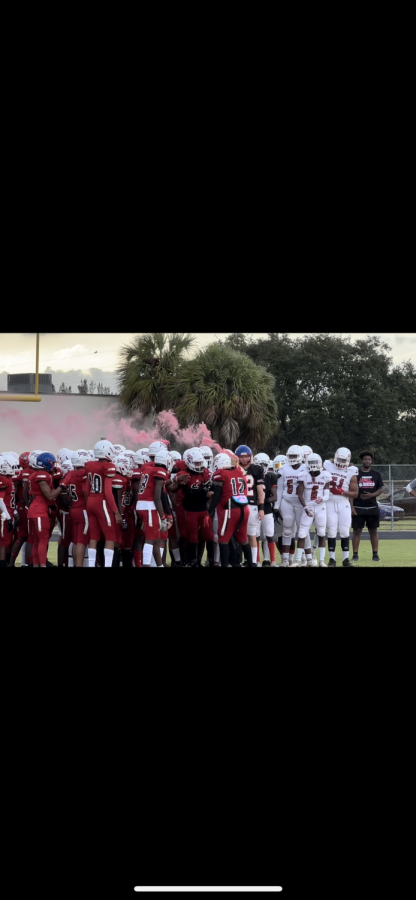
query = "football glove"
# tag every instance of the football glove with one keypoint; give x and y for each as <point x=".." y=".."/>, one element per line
<point x="9" y="523"/>
<point x="170" y="521"/>
<point x="164" y="525"/>
<point x="124" y="525"/>
<point x="338" y="491"/>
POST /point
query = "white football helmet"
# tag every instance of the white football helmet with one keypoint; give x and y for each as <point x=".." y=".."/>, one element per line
<point x="32" y="458"/>
<point x="342" y="458"/>
<point x="124" y="464"/>
<point x="78" y="460"/>
<point x="155" y="446"/>
<point x="130" y="453"/>
<point x="62" y="455"/>
<point x="314" y="462"/>
<point x="162" y="457"/>
<point x="84" y="453"/>
<point x="270" y="467"/>
<point x="222" y="461"/>
<point x="294" y="455"/>
<point x="261" y="459"/>
<point x="67" y="466"/>
<point x="175" y="455"/>
<point x="305" y="452"/>
<point x="91" y="455"/>
<point x="119" y="448"/>
<point x="7" y="464"/>
<point x="105" y="450"/>
<point x="140" y="458"/>
<point x="207" y="454"/>
<point x="194" y="460"/>
<point x="279" y="461"/>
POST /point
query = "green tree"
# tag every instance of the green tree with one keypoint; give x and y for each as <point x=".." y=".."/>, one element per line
<point x="333" y="392"/>
<point x="232" y="395"/>
<point x="148" y="367"/>
<point x="83" y="387"/>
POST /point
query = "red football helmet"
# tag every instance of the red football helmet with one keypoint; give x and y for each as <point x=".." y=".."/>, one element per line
<point x="24" y="459"/>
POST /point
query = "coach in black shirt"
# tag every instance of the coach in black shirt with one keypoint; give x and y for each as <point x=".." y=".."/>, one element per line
<point x="365" y="509"/>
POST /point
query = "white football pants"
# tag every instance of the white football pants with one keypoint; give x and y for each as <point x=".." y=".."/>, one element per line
<point x="338" y="515"/>
<point x="319" y="517"/>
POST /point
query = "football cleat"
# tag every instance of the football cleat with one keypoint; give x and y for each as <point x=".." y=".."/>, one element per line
<point x="311" y="563"/>
<point x="323" y="565"/>
<point x="331" y="564"/>
<point x="347" y="564"/>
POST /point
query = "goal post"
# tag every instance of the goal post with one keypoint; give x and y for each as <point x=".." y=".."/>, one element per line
<point x="27" y="398"/>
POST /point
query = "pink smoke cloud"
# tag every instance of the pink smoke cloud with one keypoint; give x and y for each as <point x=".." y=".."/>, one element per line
<point x="63" y="429"/>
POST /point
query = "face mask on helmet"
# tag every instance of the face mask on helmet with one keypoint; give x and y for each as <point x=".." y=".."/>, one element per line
<point x="261" y="459"/>
<point x="342" y="458"/>
<point x="314" y="464"/>
<point x="294" y="455"/>
<point x="6" y="467"/>
<point x="194" y="460"/>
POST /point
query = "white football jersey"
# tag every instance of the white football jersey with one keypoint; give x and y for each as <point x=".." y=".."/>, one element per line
<point x="340" y="478"/>
<point x="315" y="487"/>
<point x="291" y="478"/>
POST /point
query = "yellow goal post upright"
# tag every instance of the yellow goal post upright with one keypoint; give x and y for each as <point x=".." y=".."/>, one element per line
<point x="28" y="398"/>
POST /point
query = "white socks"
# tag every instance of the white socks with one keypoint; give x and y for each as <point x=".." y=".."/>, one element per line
<point x="299" y="555"/>
<point x="70" y="557"/>
<point x="176" y="555"/>
<point x="332" y="554"/>
<point x="345" y="554"/>
<point x="322" y="554"/>
<point x="254" y="555"/>
<point x="91" y="557"/>
<point x="108" y="557"/>
<point x="266" y="552"/>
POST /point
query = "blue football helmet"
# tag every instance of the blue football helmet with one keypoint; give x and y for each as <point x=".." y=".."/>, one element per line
<point x="45" y="461"/>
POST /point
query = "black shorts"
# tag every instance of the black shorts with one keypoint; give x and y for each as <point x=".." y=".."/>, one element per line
<point x="371" y="520"/>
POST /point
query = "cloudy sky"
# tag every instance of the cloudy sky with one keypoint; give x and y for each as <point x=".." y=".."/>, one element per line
<point x="70" y="357"/>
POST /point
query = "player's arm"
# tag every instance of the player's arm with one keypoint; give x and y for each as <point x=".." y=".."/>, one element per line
<point x="273" y="492"/>
<point x="47" y="493"/>
<point x="180" y="480"/>
<point x="108" y="494"/>
<point x="353" y="491"/>
<point x="3" y="506"/>
<point x="158" y="497"/>
<point x="216" y="494"/>
<point x="301" y="493"/>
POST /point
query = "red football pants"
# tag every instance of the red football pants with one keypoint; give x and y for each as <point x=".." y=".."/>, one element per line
<point x="39" y="535"/>
<point x="195" y="521"/>
<point x="230" y="526"/>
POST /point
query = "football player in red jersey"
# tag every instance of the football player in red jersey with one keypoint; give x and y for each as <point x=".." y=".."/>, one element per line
<point x="103" y="514"/>
<point x="125" y="465"/>
<point x="230" y="500"/>
<point x="20" y="479"/>
<point x="140" y="459"/>
<point x="7" y="470"/>
<point x="118" y="486"/>
<point x="194" y="491"/>
<point x="74" y="483"/>
<point x="179" y="475"/>
<point x="41" y="496"/>
<point x="148" y="496"/>
<point x="61" y="514"/>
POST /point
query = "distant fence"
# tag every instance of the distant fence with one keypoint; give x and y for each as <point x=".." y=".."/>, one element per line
<point x="397" y="506"/>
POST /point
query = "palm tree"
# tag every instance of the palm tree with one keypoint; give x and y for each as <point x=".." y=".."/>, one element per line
<point x="147" y="367"/>
<point x="229" y="392"/>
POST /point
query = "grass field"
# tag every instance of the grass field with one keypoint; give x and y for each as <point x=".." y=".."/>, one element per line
<point x="392" y="553"/>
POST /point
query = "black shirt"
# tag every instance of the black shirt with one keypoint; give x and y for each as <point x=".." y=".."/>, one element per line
<point x="269" y="480"/>
<point x="254" y="475"/>
<point x="368" y="482"/>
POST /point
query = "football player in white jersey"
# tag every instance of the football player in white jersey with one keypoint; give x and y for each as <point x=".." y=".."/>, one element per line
<point x="292" y="475"/>
<point x="343" y="488"/>
<point x="315" y="494"/>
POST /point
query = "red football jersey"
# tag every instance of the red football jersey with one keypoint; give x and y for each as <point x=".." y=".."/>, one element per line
<point x="180" y="466"/>
<point x="76" y="487"/>
<point x="126" y="496"/>
<point x="39" y="505"/>
<point x="149" y="475"/>
<point x="96" y="470"/>
<point x="235" y="483"/>
<point x="7" y="492"/>
<point x="19" y="481"/>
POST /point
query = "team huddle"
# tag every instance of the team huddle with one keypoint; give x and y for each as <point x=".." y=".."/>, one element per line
<point x="117" y="507"/>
